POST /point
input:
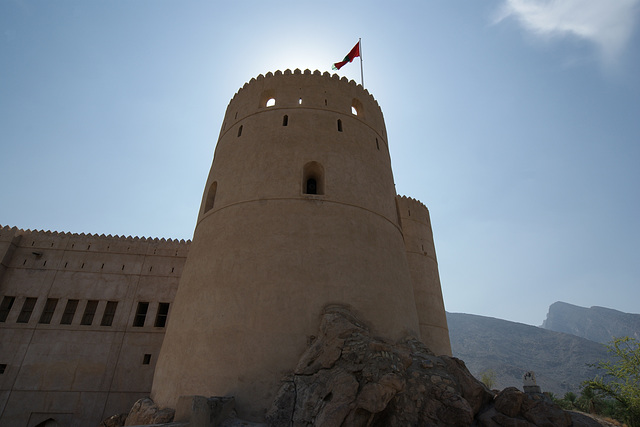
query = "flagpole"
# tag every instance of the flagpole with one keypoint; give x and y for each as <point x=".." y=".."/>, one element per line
<point x="361" y="68"/>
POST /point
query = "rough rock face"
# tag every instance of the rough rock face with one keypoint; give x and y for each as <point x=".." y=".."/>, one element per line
<point x="349" y="377"/>
<point x="145" y="412"/>
<point x="511" y="407"/>
<point x="114" y="421"/>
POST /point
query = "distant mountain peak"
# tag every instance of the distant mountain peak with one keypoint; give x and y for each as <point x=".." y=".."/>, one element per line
<point x="600" y="324"/>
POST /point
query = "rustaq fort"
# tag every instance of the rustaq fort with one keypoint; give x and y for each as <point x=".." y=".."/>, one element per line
<point x="299" y="214"/>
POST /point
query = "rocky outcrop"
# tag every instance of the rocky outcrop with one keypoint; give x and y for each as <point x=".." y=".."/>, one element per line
<point x="114" y="421"/>
<point x="350" y="377"/>
<point x="145" y="412"/>
<point x="511" y="407"/>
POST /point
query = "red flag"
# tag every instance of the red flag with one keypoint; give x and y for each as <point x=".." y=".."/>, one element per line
<point x="355" y="52"/>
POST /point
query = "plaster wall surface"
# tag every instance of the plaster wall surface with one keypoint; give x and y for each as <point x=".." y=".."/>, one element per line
<point x="93" y="367"/>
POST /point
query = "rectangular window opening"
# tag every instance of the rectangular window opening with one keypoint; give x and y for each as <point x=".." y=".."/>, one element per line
<point x="161" y="317"/>
<point x="27" y="309"/>
<point x="89" y="312"/>
<point x="146" y="359"/>
<point x="5" y="307"/>
<point x="49" y="309"/>
<point x="3" y="367"/>
<point x="109" y="313"/>
<point x="69" y="312"/>
<point x="141" y="314"/>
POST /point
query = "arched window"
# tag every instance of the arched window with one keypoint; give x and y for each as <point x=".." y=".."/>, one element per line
<point x="313" y="178"/>
<point x="271" y="102"/>
<point x="211" y="196"/>
<point x="356" y="107"/>
<point x="339" y="125"/>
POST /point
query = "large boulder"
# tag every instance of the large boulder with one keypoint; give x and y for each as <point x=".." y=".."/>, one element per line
<point x="145" y="412"/>
<point x="350" y="377"/>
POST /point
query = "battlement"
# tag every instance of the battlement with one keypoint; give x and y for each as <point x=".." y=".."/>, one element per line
<point x="304" y="89"/>
<point x="82" y="241"/>
<point x="413" y="209"/>
<point x="411" y="202"/>
<point x="4" y="229"/>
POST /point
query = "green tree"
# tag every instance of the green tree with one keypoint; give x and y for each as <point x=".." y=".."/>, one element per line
<point x="488" y="378"/>
<point x="620" y="382"/>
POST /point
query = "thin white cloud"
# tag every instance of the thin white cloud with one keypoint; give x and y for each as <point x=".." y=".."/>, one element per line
<point x="606" y="23"/>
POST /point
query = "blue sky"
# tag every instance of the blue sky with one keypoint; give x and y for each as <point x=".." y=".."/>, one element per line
<point x="517" y="122"/>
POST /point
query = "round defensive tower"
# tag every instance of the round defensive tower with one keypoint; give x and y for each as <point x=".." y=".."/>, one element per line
<point x="299" y="211"/>
<point x="423" y="267"/>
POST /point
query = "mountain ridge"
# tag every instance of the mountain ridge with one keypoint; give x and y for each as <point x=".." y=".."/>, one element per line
<point x="509" y="349"/>
<point x="596" y="323"/>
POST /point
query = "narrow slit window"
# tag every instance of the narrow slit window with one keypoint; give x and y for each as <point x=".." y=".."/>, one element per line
<point x="285" y="120"/>
<point x="3" y="367"/>
<point x="49" y="309"/>
<point x="300" y="101"/>
<point x="239" y="131"/>
<point x="377" y="144"/>
<point x="141" y="314"/>
<point x="5" y="307"/>
<point x="69" y="312"/>
<point x="339" y="125"/>
<point x="161" y="317"/>
<point x="27" y="309"/>
<point x="109" y="313"/>
<point x="89" y="312"/>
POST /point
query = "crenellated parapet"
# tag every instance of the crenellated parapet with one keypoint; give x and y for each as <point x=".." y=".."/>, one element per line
<point x="42" y="237"/>
<point x="413" y="209"/>
<point x="299" y="90"/>
<point x="108" y="254"/>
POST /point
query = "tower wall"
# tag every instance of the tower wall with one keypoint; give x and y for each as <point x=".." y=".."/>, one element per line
<point x="423" y="266"/>
<point x="267" y="257"/>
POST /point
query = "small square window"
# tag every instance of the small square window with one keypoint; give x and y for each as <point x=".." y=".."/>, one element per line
<point x="5" y="307"/>
<point x="89" y="312"/>
<point x="69" y="312"/>
<point x="27" y="309"/>
<point x="161" y="317"/>
<point x="49" y="309"/>
<point x="146" y="359"/>
<point x="141" y="314"/>
<point x="109" y="313"/>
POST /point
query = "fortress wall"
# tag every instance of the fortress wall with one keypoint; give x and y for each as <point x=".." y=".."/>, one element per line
<point x="423" y="265"/>
<point x="81" y="372"/>
<point x="267" y="257"/>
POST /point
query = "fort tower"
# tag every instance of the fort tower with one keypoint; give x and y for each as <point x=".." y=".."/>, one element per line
<point x="299" y="211"/>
